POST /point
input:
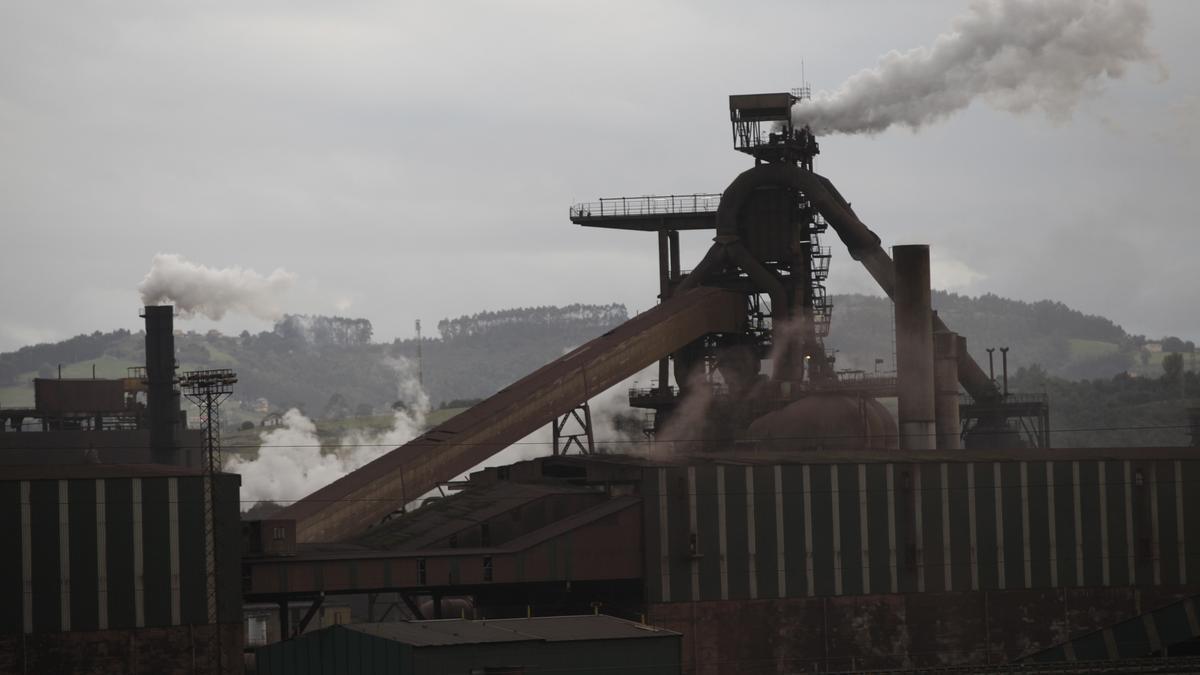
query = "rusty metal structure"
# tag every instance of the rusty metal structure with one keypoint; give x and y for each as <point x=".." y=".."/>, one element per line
<point x="136" y="419"/>
<point x="779" y="518"/>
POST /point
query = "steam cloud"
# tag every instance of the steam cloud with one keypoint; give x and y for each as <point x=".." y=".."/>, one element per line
<point x="199" y="289"/>
<point x="292" y="463"/>
<point x="1018" y="55"/>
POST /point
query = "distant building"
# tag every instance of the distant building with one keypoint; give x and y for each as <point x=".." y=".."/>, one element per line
<point x="262" y="620"/>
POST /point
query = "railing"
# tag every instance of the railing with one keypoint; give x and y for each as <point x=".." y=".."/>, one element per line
<point x="652" y="205"/>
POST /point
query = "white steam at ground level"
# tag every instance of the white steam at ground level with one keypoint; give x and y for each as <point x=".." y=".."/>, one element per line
<point x="292" y="462"/>
<point x="212" y="292"/>
<point x="1018" y="55"/>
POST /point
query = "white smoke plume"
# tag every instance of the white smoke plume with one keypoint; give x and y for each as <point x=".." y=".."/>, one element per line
<point x="292" y="463"/>
<point x="1017" y="55"/>
<point x="199" y="289"/>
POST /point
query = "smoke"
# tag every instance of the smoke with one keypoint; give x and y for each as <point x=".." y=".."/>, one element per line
<point x="199" y="289"/>
<point x="1018" y="55"/>
<point x="292" y="461"/>
<point x="685" y="431"/>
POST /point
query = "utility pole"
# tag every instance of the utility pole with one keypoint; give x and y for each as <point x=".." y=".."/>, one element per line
<point x="207" y="389"/>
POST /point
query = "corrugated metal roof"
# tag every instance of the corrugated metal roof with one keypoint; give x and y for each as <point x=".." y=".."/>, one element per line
<point x="442" y="632"/>
<point x="585" y="627"/>
<point x="72" y="471"/>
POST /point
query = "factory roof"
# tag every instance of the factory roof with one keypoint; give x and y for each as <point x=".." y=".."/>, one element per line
<point x="85" y="471"/>
<point x="443" y="632"/>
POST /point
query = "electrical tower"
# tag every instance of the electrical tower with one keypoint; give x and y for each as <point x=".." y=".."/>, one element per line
<point x="207" y="389"/>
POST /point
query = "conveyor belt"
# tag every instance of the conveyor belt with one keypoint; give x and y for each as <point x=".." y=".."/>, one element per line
<point x="354" y="502"/>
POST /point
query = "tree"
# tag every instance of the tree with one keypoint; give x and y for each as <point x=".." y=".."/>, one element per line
<point x="1172" y="366"/>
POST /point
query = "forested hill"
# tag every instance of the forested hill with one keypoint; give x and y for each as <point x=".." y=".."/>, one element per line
<point x="329" y="366"/>
<point x="1064" y="342"/>
<point x="332" y="367"/>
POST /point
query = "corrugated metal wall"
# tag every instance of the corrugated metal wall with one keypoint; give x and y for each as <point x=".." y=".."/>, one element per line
<point x="113" y="553"/>
<point x="718" y="532"/>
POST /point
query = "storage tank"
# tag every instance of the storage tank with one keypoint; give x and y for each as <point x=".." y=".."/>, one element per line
<point x="826" y="421"/>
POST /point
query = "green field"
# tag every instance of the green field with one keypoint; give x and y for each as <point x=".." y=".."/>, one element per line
<point x="1087" y="349"/>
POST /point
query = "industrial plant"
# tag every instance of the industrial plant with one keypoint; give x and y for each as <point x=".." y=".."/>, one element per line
<point x="777" y="515"/>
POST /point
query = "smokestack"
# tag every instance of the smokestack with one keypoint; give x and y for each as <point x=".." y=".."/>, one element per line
<point x="945" y="383"/>
<point x="162" y="399"/>
<point x="914" y="348"/>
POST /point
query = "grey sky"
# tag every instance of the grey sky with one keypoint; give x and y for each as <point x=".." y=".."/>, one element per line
<point x="417" y="161"/>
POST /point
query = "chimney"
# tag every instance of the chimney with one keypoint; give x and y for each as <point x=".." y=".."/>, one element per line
<point x="914" y="348"/>
<point x="945" y="384"/>
<point x="162" y="398"/>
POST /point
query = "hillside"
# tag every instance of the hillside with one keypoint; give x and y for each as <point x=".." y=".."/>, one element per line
<point x="331" y="369"/>
<point x="1064" y="342"/>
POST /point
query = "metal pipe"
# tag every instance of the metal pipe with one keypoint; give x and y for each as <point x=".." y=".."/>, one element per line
<point x="1004" y="367"/>
<point x="664" y="292"/>
<point x="673" y="239"/>
<point x="914" y="348"/>
<point x="991" y="365"/>
<point x="945" y="382"/>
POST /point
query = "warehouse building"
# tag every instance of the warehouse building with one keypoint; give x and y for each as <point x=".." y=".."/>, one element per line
<point x="575" y="645"/>
<point x="108" y="569"/>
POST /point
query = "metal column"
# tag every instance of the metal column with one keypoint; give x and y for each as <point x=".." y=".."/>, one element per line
<point x="914" y="348"/>
<point x="945" y="380"/>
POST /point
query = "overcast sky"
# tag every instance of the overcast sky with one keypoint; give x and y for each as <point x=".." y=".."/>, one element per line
<point x="408" y="160"/>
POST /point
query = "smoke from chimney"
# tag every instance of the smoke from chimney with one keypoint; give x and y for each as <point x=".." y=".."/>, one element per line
<point x="1018" y="55"/>
<point x="199" y="289"/>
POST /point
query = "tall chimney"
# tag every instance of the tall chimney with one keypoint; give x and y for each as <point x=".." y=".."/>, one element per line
<point x="914" y="348"/>
<point x="945" y="384"/>
<point x="162" y="399"/>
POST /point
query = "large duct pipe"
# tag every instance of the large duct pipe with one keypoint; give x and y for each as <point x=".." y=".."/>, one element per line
<point x="162" y="399"/>
<point x="945" y="385"/>
<point x="914" y="348"/>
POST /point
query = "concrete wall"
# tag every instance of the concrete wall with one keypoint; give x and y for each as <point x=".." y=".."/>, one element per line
<point x="174" y="650"/>
<point x="912" y="630"/>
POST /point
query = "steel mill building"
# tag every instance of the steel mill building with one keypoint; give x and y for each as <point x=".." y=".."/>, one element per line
<point x="779" y="515"/>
